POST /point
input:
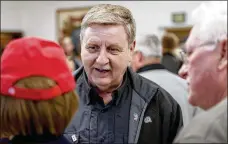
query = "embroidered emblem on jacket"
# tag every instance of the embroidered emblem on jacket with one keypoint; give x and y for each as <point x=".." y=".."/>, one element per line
<point x="147" y="119"/>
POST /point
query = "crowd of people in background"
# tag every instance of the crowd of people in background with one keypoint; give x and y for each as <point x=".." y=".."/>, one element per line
<point x="117" y="86"/>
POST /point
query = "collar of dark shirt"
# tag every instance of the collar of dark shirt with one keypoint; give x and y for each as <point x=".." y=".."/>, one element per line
<point x="93" y="93"/>
<point x="150" y="67"/>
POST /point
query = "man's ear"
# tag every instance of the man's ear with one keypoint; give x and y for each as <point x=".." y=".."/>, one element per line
<point x="223" y="55"/>
<point x="140" y="56"/>
<point x="131" y="52"/>
<point x="132" y="47"/>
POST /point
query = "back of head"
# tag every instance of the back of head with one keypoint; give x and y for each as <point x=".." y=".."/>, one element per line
<point x="107" y="14"/>
<point x="148" y="45"/>
<point x="37" y="88"/>
<point x="170" y="41"/>
<point x="210" y="20"/>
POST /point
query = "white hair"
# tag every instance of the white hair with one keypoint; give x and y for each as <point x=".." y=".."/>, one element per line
<point x="149" y="45"/>
<point x="210" y="22"/>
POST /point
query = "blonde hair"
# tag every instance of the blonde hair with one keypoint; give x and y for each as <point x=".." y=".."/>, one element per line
<point x="28" y="117"/>
<point x="170" y="41"/>
<point x="107" y="14"/>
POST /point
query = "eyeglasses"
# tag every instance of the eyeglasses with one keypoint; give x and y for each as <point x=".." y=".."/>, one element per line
<point x="184" y="55"/>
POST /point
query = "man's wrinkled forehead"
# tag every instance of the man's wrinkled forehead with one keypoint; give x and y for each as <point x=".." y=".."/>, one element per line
<point x="192" y="42"/>
<point x="195" y="39"/>
<point x="99" y="33"/>
<point x="93" y="39"/>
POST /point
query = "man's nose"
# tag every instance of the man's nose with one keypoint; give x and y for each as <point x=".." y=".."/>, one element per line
<point x="183" y="72"/>
<point x="102" y="58"/>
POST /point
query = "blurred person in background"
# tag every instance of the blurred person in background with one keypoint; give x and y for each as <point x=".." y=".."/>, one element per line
<point x="205" y="68"/>
<point x="37" y="97"/>
<point x="116" y="104"/>
<point x="73" y="57"/>
<point x="170" y="42"/>
<point x="1" y="51"/>
<point x="147" y="62"/>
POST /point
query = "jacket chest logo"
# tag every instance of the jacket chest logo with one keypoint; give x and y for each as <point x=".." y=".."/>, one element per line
<point x="147" y="119"/>
<point x="136" y="116"/>
<point x="74" y="138"/>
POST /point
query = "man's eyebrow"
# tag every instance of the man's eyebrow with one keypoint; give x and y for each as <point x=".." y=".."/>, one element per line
<point x="93" y="40"/>
<point x="115" y="46"/>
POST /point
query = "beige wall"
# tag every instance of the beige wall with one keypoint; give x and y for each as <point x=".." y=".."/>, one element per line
<point x="37" y="18"/>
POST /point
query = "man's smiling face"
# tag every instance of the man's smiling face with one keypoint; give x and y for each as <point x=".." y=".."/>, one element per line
<point x="105" y="55"/>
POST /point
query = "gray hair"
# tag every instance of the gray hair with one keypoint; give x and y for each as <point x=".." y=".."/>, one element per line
<point x="210" y="21"/>
<point x="107" y="14"/>
<point x="149" y="45"/>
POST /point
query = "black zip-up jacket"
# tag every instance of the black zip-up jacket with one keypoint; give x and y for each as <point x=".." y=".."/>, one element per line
<point x="148" y="100"/>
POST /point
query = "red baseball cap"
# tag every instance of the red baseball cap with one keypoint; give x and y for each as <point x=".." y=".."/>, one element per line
<point x="31" y="56"/>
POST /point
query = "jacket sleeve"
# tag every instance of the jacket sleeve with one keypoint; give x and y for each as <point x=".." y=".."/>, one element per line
<point x="70" y="130"/>
<point x="176" y="123"/>
<point x="192" y="140"/>
<point x="171" y="116"/>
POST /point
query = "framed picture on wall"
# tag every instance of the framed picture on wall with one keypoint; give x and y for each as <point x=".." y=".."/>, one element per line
<point x="179" y="17"/>
<point x="69" y="21"/>
<point x="7" y="36"/>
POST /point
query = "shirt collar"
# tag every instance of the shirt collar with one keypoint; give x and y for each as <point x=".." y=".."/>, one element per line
<point x="150" y="67"/>
<point x="87" y="88"/>
<point x="118" y="93"/>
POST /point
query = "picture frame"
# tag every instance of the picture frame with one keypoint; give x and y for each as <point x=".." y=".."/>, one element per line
<point x="68" y="20"/>
<point x="179" y="17"/>
<point x="7" y="36"/>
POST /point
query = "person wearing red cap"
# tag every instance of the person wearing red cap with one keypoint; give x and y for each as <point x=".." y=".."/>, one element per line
<point x="37" y="97"/>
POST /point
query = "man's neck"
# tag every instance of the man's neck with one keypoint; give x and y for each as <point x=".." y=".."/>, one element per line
<point x="107" y="97"/>
<point x="106" y="94"/>
<point x="167" y="50"/>
<point x="225" y="94"/>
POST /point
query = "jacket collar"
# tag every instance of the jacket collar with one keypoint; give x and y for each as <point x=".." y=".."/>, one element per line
<point x="134" y="80"/>
<point x="150" y="67"/>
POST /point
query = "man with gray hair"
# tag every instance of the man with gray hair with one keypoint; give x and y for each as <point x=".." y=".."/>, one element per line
<point x="116" y="104"/>
<point x="205" y="68"/>
<point x="147" y="62"/>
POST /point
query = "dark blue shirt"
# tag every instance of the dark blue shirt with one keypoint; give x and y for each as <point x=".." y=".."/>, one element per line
<point x="39" y="139"/>
<point x="96" y="122"/>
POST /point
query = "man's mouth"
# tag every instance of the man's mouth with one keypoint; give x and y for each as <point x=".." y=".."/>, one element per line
<point x="102" y="70"/>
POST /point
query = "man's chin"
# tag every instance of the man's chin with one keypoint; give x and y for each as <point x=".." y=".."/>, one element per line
<point x="102" y="84"/>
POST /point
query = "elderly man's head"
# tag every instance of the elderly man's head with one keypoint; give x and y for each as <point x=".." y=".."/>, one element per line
<point x="108" y="39"/>
<point x="147" y="51"/>
<point x="205" y="66"/>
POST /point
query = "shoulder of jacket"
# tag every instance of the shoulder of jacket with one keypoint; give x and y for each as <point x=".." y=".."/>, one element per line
<point x="77" y="73"/>
<point x="142" y="86"/>
<point x="207" y="124"/>
<point x="146" y="88"/>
